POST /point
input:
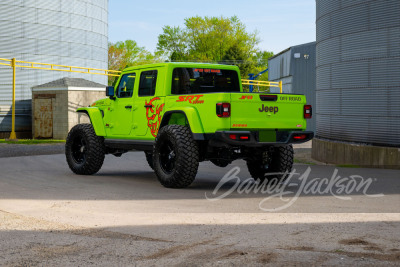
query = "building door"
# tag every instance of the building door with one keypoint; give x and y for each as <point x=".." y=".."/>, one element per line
<point x="43" y="118"/>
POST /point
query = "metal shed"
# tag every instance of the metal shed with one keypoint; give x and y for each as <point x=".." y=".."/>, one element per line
<point x="295" y="67"/>
<point x="54" y="105"/>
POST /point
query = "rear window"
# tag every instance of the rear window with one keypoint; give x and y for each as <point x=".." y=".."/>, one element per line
<point x="202" y="80"/>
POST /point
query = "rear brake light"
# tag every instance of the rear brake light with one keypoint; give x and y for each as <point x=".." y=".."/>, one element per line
<point x="240" y="137"/>
<point x="233" y="136"/>
<point x="223" y="110"/>
<point x="300" y="137"/>
<point x="307" y="111"/>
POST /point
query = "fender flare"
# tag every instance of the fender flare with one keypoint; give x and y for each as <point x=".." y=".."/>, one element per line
<point x="96" y="119"/>
<point x="192" y="118"/>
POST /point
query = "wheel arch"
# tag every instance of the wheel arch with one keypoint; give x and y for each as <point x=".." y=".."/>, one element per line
<point x="191" y="118"/>
<point x="96" y="119"/>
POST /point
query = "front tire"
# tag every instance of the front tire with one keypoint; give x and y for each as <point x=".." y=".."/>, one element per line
<point x="175" y="156"/>
<point x="84" y="150"/>
<point x="276" y="162"/>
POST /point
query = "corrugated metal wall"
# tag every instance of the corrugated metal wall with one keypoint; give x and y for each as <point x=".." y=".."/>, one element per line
<point x="358" y="71"/>
<point x="279" y="68"/>
<point x="50" y="31"/>
<point x="297" y="74"/>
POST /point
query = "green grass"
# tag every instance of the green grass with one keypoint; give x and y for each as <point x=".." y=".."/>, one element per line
<point x="32" y="141"/>
<point x="348" y="166"/>
<point x="303" y="161"/>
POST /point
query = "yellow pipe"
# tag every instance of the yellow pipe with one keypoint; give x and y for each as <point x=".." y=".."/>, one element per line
<point x="61" y="66"/>
<point x="280" y="86"/>
<point x="13" y="136"/>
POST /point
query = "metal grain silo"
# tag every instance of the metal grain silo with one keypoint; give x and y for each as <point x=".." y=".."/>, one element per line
<point x="73" y="32"/>
<point x="358" y="81"/>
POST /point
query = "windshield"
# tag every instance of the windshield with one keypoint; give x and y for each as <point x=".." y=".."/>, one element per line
<point x="202" y="80"/>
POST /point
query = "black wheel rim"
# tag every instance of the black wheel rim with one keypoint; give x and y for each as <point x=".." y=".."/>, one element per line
<point x="167" y="157"/>
<point x="266" y="161"/>
<point x="78" y="149"/>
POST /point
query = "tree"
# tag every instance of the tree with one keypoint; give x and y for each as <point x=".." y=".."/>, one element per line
<point x="172" y="41"/>
<point x="213" y="39"/>
<point x="126" y="54"/>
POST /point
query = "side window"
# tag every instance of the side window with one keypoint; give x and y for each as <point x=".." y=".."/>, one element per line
<point x="147" y="85"/>
<point x="126" y="85"/>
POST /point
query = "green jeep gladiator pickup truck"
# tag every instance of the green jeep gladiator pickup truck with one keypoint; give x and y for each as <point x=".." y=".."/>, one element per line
<point x="182" y="113"/>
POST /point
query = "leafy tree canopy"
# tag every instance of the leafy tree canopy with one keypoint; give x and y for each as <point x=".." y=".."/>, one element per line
<point x="126" y="54"/>
<point x="214" y="39"/>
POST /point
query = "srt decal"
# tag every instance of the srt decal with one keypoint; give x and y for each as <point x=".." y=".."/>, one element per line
<point x="153" y="115"/>
<point x="192" y="99"/>
<point x="268" y="109"/>
<point x="246" y="97"/>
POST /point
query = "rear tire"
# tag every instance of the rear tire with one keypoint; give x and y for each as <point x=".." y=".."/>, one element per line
<point x="274" y="163"/>
<point x="220" y="162"/>
<point x="149" y="158"/>
<point x="175" y="156"/>
<point x="84" y="150"/>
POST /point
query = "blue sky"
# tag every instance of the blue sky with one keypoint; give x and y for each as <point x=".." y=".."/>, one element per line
<point x="280" y="23"/>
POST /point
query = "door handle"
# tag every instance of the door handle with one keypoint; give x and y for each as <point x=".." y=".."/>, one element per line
<point x="128" y="106"/>
<point x="148" y="106"/>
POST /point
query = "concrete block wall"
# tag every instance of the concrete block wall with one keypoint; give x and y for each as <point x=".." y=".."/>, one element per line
<point x="342" y="153"/>
<point x="78" y="99"/>
<point x="60" y="114"/>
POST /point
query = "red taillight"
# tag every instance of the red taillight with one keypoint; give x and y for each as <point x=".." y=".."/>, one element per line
<point x="223" y="110"/>
<point x="307" y="111"/>
<point x="233" y="136"/>
<point x="239" y="137"/>
<point x="300" y="137"/>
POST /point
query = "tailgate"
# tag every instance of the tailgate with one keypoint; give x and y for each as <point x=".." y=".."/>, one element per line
<point x="267" y="111"/>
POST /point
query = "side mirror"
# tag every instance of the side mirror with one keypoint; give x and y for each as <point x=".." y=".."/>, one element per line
<point x="110" y="91"/>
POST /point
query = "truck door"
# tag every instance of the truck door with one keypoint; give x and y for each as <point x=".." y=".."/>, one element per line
<point x="148" y="107"/>
<point x="121" y="113"/>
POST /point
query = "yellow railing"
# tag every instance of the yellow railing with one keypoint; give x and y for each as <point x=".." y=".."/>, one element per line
<point x="45" y="66"/>
<point x="263" y="83"/>
<point x="55" y="67"/>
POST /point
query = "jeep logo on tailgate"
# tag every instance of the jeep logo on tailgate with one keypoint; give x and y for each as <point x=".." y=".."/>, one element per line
<point x="268" y="109"/>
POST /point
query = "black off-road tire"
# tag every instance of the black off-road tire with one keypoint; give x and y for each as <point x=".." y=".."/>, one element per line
<point x="277" y="160"/>
<point x="84" y="150"/>
<point x="175" y="156"/>
<point x="220" y="162"/>
<point x="149" y="158"/>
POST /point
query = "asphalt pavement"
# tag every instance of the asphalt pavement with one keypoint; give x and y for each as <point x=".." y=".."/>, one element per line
<point x="18" y="150"/>
<point x="323" y="215"/>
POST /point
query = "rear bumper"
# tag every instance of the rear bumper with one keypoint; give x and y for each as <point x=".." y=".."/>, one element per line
<point x="282" y="138"/>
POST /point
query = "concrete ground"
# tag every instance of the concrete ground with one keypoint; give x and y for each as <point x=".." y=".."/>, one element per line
<point x="123" y="216"/>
